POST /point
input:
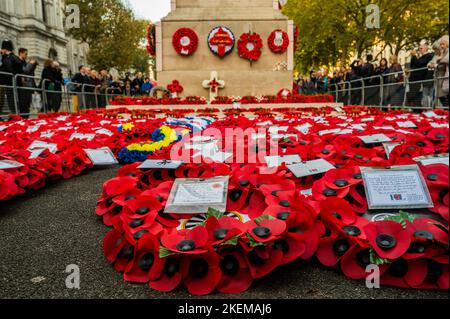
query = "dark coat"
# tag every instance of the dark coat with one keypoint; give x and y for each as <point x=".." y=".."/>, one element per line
<point x="10" y="64"/>
<point x="420" y="63"/>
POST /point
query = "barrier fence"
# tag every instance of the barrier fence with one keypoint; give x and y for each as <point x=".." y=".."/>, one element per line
<point x="417" y="89"/>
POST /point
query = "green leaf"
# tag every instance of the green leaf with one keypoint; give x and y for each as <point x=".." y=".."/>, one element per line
<point x="263" y="217"/>
<point x="402" y="217"/>
<point x="253" y="242"/>
<point x="214" y="213"/>
<point x="375" y="259"/>
<point x="164" y="252"/>
<point x="233" y="241"/>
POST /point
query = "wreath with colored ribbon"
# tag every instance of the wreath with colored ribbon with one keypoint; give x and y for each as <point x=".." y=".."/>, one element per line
<point x="151" y="36"/>
<point x="221" y="41"/>
<point x="185" y="41"/>
<point x="278" y="41"/>
<point x="249" y="46"/>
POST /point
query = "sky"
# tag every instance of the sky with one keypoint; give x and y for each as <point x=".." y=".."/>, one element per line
<point x="152" y="10"/>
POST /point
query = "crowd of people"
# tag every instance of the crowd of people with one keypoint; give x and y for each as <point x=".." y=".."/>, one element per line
<point x="90" y="86"/>
<point x="425" y="80"/>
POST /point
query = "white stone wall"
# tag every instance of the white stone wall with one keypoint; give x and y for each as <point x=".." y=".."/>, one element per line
<point x="26" y="24"/>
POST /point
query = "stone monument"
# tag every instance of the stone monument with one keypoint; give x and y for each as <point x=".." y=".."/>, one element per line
<point x="239" y="77"/>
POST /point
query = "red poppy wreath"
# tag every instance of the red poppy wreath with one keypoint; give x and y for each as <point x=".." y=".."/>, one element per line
<point x="185" y="41"/>
<point x="249" y="46"/>
<point x="278" y="41"/>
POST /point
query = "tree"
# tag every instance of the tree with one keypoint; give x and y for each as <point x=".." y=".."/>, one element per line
<point x="330" y="32"/>
<point x="115" y="37"/>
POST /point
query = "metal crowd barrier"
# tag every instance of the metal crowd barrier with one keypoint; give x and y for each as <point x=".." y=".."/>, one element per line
<point x="384" y="90"/>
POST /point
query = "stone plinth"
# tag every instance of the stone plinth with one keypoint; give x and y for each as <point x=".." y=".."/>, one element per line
<point x="241" y="76"/>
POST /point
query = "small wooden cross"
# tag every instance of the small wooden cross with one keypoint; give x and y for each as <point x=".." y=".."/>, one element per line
<point x="213" y="84"/>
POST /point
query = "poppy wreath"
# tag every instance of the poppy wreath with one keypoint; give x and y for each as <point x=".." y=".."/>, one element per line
<point x="278" y="41"/>
<point x="185" y="41"/>
<point x="250" y="46"/>
<point x="175" y="87"/>
<point x="279" y="223"/>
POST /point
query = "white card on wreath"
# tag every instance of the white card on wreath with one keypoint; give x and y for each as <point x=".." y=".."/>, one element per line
<point x="396" y="187"/>
<point x="88" y="137"/>
<point x="197" y="195"/>
<point x="3" y="127"/>
<point x="7" y="164"/>
<point x="303" y="128"/>
<point x="389" y="146"/>
<point x="275" y="161"/>
<point x="47" y="134"/>
<point x="52" y="147"/>
<point x="433" y="159"/>
<point x="101" y="156"/>
<point x="309" y="168"/>
<point x="160" y="163"/>
<point x="276" y="129"/>
<point x="1" y="142"/>
<point x="104" y="131"/>
<point x="375" y="138"/>
<point x="34" y="153"/>
<point x="406" y="124"/>
<point x="330" y="131"/>
<point x="438" y="125"/>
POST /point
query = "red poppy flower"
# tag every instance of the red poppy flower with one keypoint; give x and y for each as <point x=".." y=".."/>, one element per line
<point x="336" y="212"/>
<point x="203" y="273"/>
<point x="236" y="277"/>
<point x="8" y="187"/>
<point x="320" y="191"/>
<point x="119" y="185"/>
<point x="267" y="230"/>
<point x="355" y="262"/>
<point x="405" y="273"/>
<point x="146" y="263"/>
<point x="262" y="260"/>
<point x="223" y="229"/>
<point x="185" y="241"/>
<point x="174" y="270"/>
<point x="388" y="238"/>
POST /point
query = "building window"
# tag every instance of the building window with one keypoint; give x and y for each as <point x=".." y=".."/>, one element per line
<point x="44" y="11"/>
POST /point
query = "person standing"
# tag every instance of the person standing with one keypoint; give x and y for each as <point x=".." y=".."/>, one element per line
<point x="442" y="72"/>
<point x="59" y="81"/>
<point x="10" y="64"/>
<point x="381" y="80"/>
<point x="80" y="79"/>
<point x="104" y="86"/>
<point x="367" y="71"/>
<point x="48" y="85"/>
<point x="137" y="83"/>
<point x="419" y="74"/>
<point x="28" y="82"/>
<point x="395" y="80"/>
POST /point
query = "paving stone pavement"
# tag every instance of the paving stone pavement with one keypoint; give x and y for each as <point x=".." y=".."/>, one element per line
<point x="43" y="232"/>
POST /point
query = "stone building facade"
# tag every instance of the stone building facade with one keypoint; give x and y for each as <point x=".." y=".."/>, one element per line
<point x="38" y="25"/>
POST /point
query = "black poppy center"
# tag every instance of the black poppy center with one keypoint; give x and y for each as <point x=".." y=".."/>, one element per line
<point x="235" y="194"/>
<point x="146" y="261"/>
<point x="171" y="267"/>
<point x="352" y="231"/>
<point x="336" y="215"/>
<point x="340" y="246"/>
<point x="341" y="183"/>
<point x="329" y="192"/>
<point x="282" y="245"/>
<point x="136" y="223"/>
<point x="229" y="265"/>
<point x="385" y="241"/>
<point x="325" y="152"/>
<point x="139" y="234"/>
<point x="142" y="211"/>
<point x="283" y="215"/>
<point x="399" y="268"/>
<point x="357" y="176"/>
<point x="284" y="203"/>
<point x="295" y="230"/>
<point x="262" y="232"/>
<point x="220" y="234"/>
<point x="198" y="268"/>
<point x="363" y="258"/>
<point x="186" y="245"/>
<point x="432" y="177"/>
<point x="424" y="234"/>
<point x="275" y="192"/>
<point x="416" y="248"/>
<point x="244" y="183"/>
